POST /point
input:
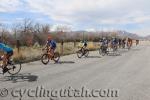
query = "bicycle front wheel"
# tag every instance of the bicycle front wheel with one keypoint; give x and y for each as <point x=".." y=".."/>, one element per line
<point x="79" y="54"/>
<point x="45" y="59"/>
<point x="14" y="69"/>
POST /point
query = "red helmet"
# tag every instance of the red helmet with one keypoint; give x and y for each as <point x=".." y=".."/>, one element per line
<point x="49" y="37"/>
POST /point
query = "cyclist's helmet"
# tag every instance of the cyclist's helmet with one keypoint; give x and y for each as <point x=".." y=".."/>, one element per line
<point x="104" y="38"/>
<point x="49" y="38"/>
<point x="113" y="38"/>
<point x="83" y="41"/>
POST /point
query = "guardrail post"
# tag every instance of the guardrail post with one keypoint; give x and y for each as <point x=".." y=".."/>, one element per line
<point x="74" y="44"/>
<point x="18" y="46"/>
<point x="62" y="46"/>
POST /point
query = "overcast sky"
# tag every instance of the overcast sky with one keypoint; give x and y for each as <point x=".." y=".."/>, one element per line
<point x="130" y="15"/>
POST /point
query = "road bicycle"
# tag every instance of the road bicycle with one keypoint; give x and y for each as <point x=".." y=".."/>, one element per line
<point x="129" y="45"/>
<point x="82" y="52"/>
<point x="103" y="50"/>
<point x="13" y="68"/>
<point x="115" y="48"/>
<point x="47" y="56"/>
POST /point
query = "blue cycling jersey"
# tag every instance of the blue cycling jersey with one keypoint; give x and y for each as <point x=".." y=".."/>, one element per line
<point x="104" y="42"/>
<point x="52" y="43"/>
<point x="5" y="48"/>
<point x="114" y="41"/>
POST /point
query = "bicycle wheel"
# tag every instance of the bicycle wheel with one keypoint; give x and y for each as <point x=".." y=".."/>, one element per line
<point x="101" y="51"/>
<point x="116" y="50"/>
<point x="14" y="68"/>
<point x="129" y="48"/>
<point x="45" y="59"/>
<point x="79" y="54"/>
<point x="123" y="46"/>
<point x="56" y="57"/>
<point x="86" y="53"/>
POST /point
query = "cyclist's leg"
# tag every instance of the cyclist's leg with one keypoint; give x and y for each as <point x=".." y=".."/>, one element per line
<point x="52" y="53"/>
<point x="52" y="49"/>
<point x="1" y="59"/>
<point x="105" y="48"/>
<point x="5" y="61"/>
<point x="82" y="49"/>
<point x="8" y="56"/>
<point x="127" y="44"/>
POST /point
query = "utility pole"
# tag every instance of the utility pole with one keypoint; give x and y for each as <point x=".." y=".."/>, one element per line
<point x="83" y="35"/>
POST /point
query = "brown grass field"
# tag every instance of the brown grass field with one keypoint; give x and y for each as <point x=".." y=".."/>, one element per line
<point x="28" y="54"/>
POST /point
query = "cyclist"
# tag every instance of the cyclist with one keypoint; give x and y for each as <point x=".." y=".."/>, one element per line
<point x="123" y="43"/>
<point x="114" y="41"/>
<point x="137" y="42"/>
<point x="83" y="45"/>
<point x="120" y="42"/>
<point x="8" y="52"/>
<point x="114" y="44"/>
<point x="104" y="45"/>
<point x="104" y="42"/>
<point x="129" y="43"/>
<point x="51" y="45"/>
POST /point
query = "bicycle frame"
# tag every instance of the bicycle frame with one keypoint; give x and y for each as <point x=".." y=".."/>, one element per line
<point x="48" y="51"/>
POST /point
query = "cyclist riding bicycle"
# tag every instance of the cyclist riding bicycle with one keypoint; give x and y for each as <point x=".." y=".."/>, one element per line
<point x="51" y="45"/>
<point x="137" y="42"/>
<point x="8" y="52"/>
<point x="83" y="44"/>
<point x="114" y="43"/>
<point x="104" y="42"/>
<point x="120" y="42"/>
<point x="124" y="43"/>
<point x="129" y="42"/>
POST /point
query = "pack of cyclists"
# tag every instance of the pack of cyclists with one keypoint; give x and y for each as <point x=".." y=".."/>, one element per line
<point x="116" y="43"/>
<point x="51" y="45"/>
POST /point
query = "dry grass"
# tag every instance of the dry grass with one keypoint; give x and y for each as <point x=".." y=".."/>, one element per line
<point x="28" y="54"/>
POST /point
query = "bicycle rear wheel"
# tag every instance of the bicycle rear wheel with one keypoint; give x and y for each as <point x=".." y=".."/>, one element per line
<point x="86" y="53"/>
<point x="102" y="51"/>
<point x="14" y="68"/>
<point x="56" y="57"/>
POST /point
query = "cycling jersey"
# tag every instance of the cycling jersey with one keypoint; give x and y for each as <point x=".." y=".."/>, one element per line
<point x="85" y="43"/>
<point x="104" y="42"/>
<point x="114" y="41"/>
<point x="6" y="48"/>
<point x="52" y="43"/>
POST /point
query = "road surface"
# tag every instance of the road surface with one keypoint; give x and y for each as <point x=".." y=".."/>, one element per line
<point x="127" y="74"/>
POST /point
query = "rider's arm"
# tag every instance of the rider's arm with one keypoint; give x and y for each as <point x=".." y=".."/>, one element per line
<point x="45" y="47"/>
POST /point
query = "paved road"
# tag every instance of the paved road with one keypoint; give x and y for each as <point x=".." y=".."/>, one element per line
<point x="126" y="75"/>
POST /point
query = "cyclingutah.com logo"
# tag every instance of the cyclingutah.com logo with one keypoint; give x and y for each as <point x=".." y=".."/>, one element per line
<point x="3" y="92"/>
<point x="69" y="92"/>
